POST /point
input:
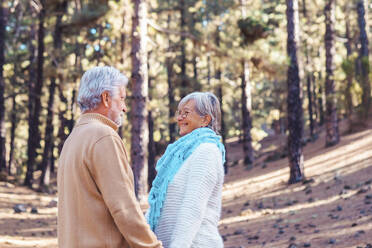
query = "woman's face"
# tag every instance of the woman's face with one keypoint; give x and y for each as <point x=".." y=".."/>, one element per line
<point x="188" y="119"/>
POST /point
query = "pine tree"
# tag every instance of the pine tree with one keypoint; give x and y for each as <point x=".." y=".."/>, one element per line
<point x="294" y="101"/>
<point x="332" y="133"/>
<point x="139" y="78"/>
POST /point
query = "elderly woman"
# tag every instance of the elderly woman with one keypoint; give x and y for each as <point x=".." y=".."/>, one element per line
<point x="185" y="198"/>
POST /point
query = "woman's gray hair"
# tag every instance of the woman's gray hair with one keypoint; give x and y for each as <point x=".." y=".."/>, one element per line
<point x="97" y="80"/>
<point x="206" y="103"/>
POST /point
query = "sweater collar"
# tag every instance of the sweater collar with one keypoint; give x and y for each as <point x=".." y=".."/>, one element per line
<point x="92" y="117"/>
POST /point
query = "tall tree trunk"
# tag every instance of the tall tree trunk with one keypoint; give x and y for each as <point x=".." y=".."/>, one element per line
<point x="246" y="101"/>
<point x="332" y="134"/>
<point x="52" y="159"/>
<point x="13" y="122"/>
<point x="223" y="124"/>
<point x="139" y="139"/>
<point x="63" y="122"/>
<point x="320" y="100"/>
<point x="172" y="104"/>
<point x="364" y="58"/>
<point x="349" y="76"/>
<point x="49" y="129"/>
<point x="2" y="88"/>
<point x="184" y="82"/>
<point x="122" y="56"/>
<point x="294" y="97"/>
<point x="221" y="99"/>
<point x="34" y="134"/>
<point x="308" y="75"/>
<point x="315" y="100"/>
<point x="246" y="115"/>
<point x="151" y="145"/>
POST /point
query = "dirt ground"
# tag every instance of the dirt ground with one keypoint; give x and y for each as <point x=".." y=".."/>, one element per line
<point x="332" y="208"/>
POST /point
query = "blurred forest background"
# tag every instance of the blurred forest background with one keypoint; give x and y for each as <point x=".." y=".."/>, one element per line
<point x="278" y="67"/>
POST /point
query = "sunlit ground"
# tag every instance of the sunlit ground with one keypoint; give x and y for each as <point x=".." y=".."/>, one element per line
<point x="333" y="210"/>
<point x="259" y="208"/>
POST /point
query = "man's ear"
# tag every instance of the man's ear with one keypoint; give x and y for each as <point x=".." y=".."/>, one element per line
<point x="105" y="98"/>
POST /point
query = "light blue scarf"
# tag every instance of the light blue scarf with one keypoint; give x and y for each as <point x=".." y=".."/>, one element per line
<point x="168" y="165"/>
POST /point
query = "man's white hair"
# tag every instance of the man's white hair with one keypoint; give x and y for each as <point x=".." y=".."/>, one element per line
<point x="97" y="80"/>
<point x="206" y="103"/>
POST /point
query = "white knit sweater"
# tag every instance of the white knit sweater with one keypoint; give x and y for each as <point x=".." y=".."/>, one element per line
<point x="192" y="207"/>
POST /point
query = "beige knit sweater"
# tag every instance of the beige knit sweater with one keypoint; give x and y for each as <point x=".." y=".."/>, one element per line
<point x="96" y="202"/>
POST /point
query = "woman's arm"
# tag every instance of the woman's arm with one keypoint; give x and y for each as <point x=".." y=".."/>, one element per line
<point x="199" y="183"/>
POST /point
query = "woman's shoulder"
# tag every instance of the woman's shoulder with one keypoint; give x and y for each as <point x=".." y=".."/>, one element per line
<point x="208" y="148"/>
<point x="207" y="153"/>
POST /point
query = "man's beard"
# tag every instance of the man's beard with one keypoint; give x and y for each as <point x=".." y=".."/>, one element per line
<point x="118" y="120"/>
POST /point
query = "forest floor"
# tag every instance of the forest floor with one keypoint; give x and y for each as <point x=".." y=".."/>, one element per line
<point x="332" y="208"/>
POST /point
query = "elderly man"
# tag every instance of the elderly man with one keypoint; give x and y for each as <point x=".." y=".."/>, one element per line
<point x="97" y="206"/>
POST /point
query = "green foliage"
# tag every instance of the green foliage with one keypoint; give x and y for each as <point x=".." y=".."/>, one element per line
<point x="252" y="29"/>
<point x="87" y="17"/>
<point x="348" y="66"/>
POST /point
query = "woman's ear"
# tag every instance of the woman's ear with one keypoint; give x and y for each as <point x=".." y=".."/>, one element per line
<point x="207" y="120"/>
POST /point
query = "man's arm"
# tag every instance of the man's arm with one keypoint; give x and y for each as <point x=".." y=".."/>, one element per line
<point x="114" y="179"/>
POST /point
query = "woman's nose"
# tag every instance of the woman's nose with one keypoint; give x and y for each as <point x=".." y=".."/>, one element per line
<point x="179" y="117"/>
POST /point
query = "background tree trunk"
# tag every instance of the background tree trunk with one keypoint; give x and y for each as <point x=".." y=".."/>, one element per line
<point x="246" y="115"/>
<point x="332" y="134"/>
<point x="139" y="139"/>
<point x="364" y="58"/>
<point x="349" y="76"/>
<point x="13" y="121"/>
<point x="172" y="104"/>
<point x="308" y="74"/>
<point x="34" y="134"/>
<point x="2" y="88"/>
<point x="294" y="100"/>
<point x="246" y="101"/>
<point x="184" y="82"/>
<point x="49" y="129"/>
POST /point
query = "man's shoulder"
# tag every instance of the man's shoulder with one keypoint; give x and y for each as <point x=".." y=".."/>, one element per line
<point x="97" y="128"/>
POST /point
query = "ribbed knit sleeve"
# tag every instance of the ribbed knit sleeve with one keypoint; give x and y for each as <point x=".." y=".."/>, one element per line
<point x="200" y="179"/>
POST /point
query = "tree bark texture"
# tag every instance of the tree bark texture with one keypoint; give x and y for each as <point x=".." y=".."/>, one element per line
<point x="139" y="139"/>
<point x="246" y="115"/>
<point x="218" y="76"/>
<point x="246" y="101"/>
<point x="364" y="58"/>
<point x="63" y="122"/>
<point x="2" y="88"/>
<point x="308" y="75"/>
<point x="122" y="54"/>
<point x="171" y="101"/>
<point x="31" y="142"/>
<point x="294" y="97"/>
<point x="151" y="144"/>
<point x="184" y="82"/>
<point x="332" y="133"/>
<point x="320" y="100"/>
<point x="49" y="129"/>
<point x="13" y="122"/>
<point x="349" y="76"/>
<point x="34" y="134"/>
